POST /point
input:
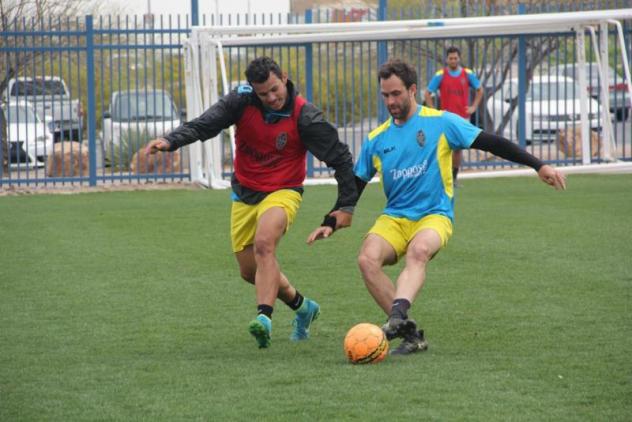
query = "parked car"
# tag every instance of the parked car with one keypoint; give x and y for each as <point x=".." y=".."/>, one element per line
<point x="552" y="103"/>
<point x="620" y="98"/>
<point x="28" y="139"/>
<point x="148" y="112"/>
<point x="53" y="103"/>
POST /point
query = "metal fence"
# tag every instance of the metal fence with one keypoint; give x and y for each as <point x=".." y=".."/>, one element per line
<point x="81" y="96"/>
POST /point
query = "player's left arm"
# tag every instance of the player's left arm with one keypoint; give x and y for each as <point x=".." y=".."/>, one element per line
<point x="503" y="148"/>
<point x="321" y="139"/>
<point x="330" y="222"/>
<point x="475" y="83"/>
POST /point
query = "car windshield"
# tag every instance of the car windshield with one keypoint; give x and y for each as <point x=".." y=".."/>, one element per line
<point x="38" y="87"/>
<point x="545" y="91"/>
<point x="592" y="72"/>
<point x="20" y="114"/>
<point x="143" y="106"/>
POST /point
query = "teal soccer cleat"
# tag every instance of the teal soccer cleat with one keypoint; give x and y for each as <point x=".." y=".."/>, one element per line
<point x="261" y="328"/>
<point x="306" y="314"/>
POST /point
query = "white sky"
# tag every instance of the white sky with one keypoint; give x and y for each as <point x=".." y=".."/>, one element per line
<point x="207" y="7"/>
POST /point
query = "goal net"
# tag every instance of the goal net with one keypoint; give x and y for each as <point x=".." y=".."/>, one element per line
<point x="334" y="65"/>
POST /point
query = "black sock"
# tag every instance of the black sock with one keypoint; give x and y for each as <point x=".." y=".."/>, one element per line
<point x="455" y="173"/>
<point x="296" y="303"/>
<point x="400" y="308"/>
<point x="265" y="310"/>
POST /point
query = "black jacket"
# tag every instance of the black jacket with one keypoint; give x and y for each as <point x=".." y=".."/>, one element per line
<point x="319" y="137"/>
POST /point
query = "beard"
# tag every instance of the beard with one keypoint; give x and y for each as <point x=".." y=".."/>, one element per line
<point x="400" y="111"/>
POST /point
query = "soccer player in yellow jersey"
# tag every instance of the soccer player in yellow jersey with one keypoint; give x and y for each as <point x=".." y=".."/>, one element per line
<point x="412" y="152"/>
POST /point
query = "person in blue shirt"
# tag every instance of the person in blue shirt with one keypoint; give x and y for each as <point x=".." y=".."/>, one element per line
<point x="453" y="84"/>
<point x="412" y="153"/>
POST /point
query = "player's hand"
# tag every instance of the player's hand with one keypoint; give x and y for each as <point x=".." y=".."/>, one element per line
<point x="552" y="177"/>
<point x="156" y="145"/>
<point x="470" y="110"/>
<point x="321" y="232"/>
<point x="343" y="219"/>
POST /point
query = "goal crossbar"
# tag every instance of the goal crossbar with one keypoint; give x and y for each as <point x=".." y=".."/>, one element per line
<point x="206" y="46"/>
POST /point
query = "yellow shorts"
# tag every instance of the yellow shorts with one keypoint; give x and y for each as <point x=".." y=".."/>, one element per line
<point x="399" y="231"/>
<point x="244" y="217"/>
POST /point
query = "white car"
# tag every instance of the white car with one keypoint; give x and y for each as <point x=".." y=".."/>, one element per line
<point x="29" y="139"/>
<point x="147" y="113"/>
<point x="552" y="103"/>
<point x="619" y="98"/>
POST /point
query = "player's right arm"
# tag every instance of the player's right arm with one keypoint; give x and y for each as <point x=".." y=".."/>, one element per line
<point x="224" y="113"/>
<point x="321" y="138"/>
<point x="433" y="87"/>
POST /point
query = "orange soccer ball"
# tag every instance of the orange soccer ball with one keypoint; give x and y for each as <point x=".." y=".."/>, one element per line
<point x="365" y="343"/>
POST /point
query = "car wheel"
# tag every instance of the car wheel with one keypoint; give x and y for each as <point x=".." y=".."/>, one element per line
<point x="622" y="114"/>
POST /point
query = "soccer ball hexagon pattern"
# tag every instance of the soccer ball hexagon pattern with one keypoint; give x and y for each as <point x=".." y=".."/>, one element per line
<point x="365" y="343"/>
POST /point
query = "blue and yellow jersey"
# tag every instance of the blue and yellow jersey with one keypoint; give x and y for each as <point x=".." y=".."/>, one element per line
<point x="414" y="161"/>
<point x="435" y="82"/>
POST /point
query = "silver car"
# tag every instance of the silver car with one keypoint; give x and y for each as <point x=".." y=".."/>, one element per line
<point x="134" y="117"/>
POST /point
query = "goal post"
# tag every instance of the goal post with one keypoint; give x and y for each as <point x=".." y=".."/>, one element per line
<point x="206" y="72"/>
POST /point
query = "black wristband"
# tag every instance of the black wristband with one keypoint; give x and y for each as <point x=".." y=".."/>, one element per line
<point x="329" y="221"/>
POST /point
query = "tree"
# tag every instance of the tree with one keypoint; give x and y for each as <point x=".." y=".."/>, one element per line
<point x="493" y="59"/>
<point x="30" y="53"/>
<point x="28" y="16"/>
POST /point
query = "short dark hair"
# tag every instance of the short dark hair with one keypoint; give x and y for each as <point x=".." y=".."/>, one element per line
<point x="259" y="69"/>
<point x="401" y="69"/>
<point x="452" y="49"/>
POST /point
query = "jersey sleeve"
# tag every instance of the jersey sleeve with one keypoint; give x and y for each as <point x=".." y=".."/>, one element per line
<point x="221" y="115"/>
<point x="459" y="132"/>
<point x="473" y="80"/>
<point x="364" y="167"/>
<point x="433" y="86"/>
<point x="321" y="138"/>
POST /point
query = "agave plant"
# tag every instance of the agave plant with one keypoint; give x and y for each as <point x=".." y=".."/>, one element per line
<point x="130" y="142"/>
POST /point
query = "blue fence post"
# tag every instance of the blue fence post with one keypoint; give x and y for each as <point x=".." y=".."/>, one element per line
<point x="195" y="13"/>
<point x="92" y="119"/>
<point x="309" y="85"/>
<point x="522" y="83"/>
<point x="382" y="56"/>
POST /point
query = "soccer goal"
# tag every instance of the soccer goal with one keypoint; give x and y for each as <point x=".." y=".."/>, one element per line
<point x="213" y="53"/>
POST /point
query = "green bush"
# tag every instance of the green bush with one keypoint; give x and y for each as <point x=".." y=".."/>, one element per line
<point x="130" y="142"/>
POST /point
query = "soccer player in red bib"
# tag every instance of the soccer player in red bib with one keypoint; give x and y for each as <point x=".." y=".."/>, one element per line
<point x="453" y="83"/>
<point x="275" y="127"/>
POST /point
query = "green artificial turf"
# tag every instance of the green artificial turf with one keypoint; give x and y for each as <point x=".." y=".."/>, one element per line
<point x="129" y="306"/>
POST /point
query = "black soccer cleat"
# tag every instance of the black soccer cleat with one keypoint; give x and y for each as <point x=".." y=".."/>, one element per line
<point x="411" y="344"/>
<point x="396" y="327"/>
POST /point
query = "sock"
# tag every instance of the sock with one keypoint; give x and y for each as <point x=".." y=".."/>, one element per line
<point x="296" y="303"/>
<point x="455" y="173"/>
<point x="400" y="308"/>
<point x="265" y="310"/>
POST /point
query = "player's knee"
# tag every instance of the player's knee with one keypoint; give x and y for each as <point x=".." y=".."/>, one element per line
<point x="264" y="246"/>
<point x="368" y="264"/>
<point x="419" y="253"/>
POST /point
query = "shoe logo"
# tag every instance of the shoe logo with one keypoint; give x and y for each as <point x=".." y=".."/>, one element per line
<point x="389" y="149"/>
